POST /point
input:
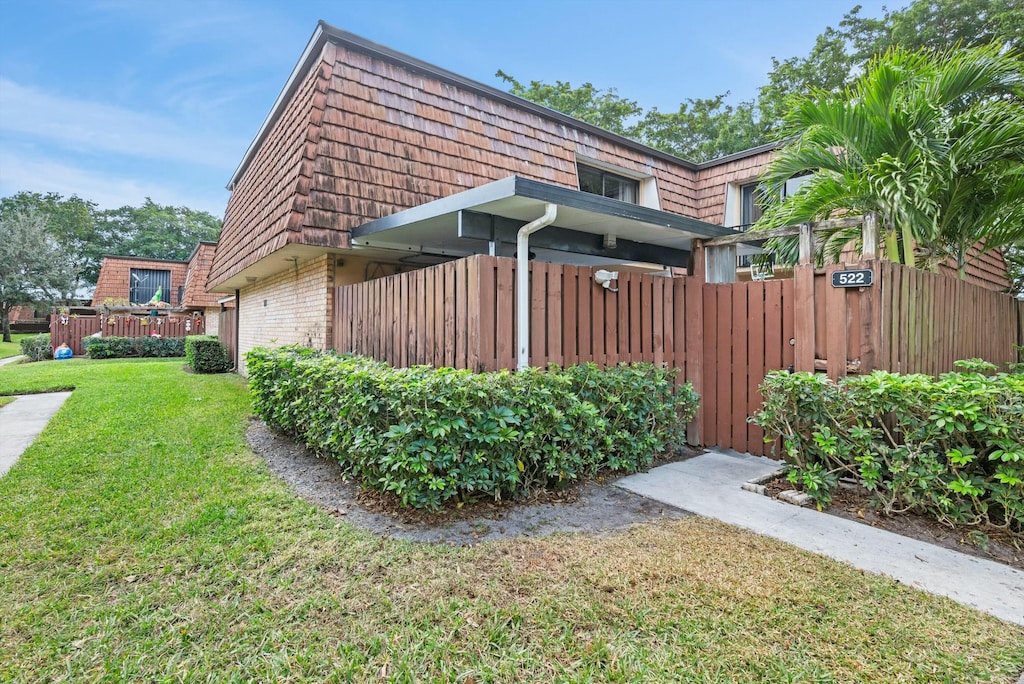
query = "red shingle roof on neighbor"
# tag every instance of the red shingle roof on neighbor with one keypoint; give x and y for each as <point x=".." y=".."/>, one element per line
<point x="195" y="294"/>
<point x="114" y="281"/>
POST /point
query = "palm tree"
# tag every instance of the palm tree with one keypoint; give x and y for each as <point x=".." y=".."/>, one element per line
<point x="932" y="142"/>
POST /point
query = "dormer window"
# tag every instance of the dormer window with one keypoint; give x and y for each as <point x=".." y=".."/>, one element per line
<point x="607" y="184"/>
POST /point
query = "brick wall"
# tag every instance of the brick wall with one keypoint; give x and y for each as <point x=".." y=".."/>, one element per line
<point x="114" y="278"/>
<point x="291" y="307"/>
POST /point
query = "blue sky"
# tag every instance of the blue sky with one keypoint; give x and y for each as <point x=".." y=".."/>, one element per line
<point x="117" y="100"/>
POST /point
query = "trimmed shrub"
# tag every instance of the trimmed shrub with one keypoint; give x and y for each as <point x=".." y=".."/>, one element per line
<point x="37" y="347"/>
<point x="951" y="446"/>
<point x="431" y="436"/>
<point x="206" y="354"/>
<point x="133" y="347"/>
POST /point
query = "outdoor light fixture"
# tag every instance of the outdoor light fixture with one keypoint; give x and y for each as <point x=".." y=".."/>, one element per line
<point x="604" y="279"/>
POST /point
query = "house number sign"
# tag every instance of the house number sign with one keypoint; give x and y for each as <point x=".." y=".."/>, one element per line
<point x="862" y="277"/>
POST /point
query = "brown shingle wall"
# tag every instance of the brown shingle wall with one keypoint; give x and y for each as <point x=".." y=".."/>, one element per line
<point x="713" y="181"/>
<point x="265" y="205"/>
<point x="988" y="270"/>
<point x="392" y="139"/>
<point x="364" y="138"/>
<point x="114" y="278"/>
<point x="195" y="294"/>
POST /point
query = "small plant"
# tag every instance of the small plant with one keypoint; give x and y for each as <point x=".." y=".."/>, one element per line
<point x="37" y="347"/>
<point x="206" y="354"/>
<point x="951" y="446"/>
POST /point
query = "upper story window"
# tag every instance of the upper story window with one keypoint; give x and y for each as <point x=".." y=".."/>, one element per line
<point x="750" y="201"/>
<point x="607" y="184"/>
<point x="144" y="282"/>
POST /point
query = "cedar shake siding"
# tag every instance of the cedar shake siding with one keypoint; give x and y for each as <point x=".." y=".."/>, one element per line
<point x="114" y="281"/>
<point x="715" y="177"/>
<point x="196" y="295"/>
<point x="361" y="132"/>
<point x="364" y="136"/>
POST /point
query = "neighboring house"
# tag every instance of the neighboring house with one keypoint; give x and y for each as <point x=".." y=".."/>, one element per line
<point x="133" y="281"/>
<point x="371" y="162"/>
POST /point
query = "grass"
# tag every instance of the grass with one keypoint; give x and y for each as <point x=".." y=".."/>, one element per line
<point x="140" y="540"/>
<point x="12" y="348"/>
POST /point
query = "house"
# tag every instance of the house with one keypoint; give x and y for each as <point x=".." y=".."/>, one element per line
<point x="127" y="280"/>
<point x="372" y="162"/>
<point x="124" y="281"/>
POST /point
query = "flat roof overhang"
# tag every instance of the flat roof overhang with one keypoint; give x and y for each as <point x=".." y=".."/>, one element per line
<point x="589" y="230"/>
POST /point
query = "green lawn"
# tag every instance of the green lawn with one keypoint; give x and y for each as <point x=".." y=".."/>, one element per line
<point x="140" y="540"/>
<point x="12" y="348"/>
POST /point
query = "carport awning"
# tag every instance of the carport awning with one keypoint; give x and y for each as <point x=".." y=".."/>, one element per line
<point x="589" y="230"/>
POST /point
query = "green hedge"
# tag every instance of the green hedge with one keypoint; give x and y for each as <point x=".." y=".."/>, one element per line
<point x="37" y="347"/>
<point x="435" y="435"/>
<point x="133" y="347"/>
<point x="952" y="446"/>
<point x="206" y="354"/>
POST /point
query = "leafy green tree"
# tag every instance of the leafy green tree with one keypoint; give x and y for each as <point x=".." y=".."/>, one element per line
<point x="156" y="231"/>
<point x="707" y="128"/>
<point x="931" y="141"/>
<point x="34" y="268"/>
<point x="603" y="108"/>
<point x="72" y="223"/>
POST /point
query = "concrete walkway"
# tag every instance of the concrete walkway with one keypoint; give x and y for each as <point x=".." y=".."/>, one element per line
<point x="22" y="420"/>
<point x="11" y="359"/>
<point x="709" y="485"/>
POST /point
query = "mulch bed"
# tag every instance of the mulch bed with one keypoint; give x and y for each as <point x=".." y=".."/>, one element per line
<point x="853" y="502"/>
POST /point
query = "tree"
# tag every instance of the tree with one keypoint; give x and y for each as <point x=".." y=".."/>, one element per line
<point x="602" y="108"/>
<point x="932" y="141"/>
<point x="156" y="231"/>
<point x="706" y="128"/>
<point x="33" y="267"/>
<point x="72" y="223"/>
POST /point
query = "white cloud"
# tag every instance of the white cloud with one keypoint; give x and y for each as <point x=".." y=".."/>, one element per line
<point x="87" y="126"/>
<point x="106" y="190"/>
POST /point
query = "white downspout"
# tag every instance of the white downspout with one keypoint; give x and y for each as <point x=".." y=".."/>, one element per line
<point x="523" y="282"/>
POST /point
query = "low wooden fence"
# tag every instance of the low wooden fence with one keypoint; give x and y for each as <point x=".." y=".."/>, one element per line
<point x="724" y="337"/>
<point x="227" y="332"/>
<point x="70" y="329"/>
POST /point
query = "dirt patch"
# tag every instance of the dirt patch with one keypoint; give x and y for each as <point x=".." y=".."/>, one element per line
<point x="595" y="506"/>
<point x="854" y="503"/>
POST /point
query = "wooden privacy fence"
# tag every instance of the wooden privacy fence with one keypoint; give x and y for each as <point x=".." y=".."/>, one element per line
<point x="227" y="332"/>
<point x="724" y="337"/>
<point x="70" y="329"/>
<point x="463" y="314"/>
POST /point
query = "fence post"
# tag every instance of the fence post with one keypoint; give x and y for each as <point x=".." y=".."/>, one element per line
<point x="803" y="318"/>
<point x="869" y="237"/>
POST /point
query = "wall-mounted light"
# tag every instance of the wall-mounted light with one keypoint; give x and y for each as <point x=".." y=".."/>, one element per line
<point x="604" y="279"/>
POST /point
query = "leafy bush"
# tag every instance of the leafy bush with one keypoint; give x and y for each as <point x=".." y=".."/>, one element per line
<point x="37" y="347"/>
<point x="206" y="354"/>
<point x="434" y="435"/>
<point x="952" y="446"/>
<point x="133" y="347"/>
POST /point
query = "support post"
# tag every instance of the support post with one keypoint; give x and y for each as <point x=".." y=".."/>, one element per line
<point x="806" y="244"/>
<point x="869" y="237"/>
<point x="721" y="264"/>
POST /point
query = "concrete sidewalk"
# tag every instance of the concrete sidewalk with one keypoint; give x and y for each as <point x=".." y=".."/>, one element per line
<point x="709" y="485"/>
<point x="11" y="359"/>
<point x="22" y="420"/>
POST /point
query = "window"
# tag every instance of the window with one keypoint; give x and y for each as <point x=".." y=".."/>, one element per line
<point x="598" y="182"/>
<point x="144" y="282"/>
<point x="751" y="201"/>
